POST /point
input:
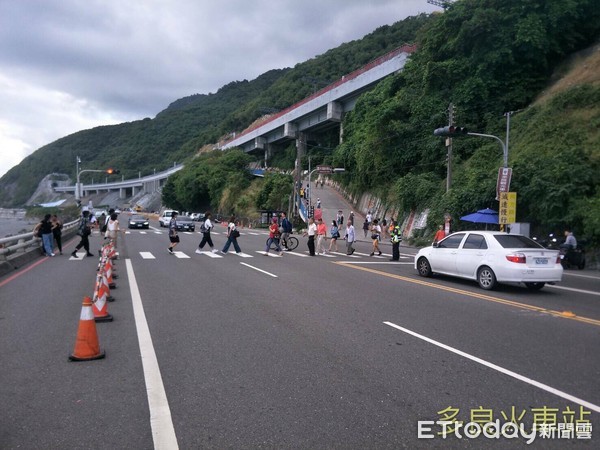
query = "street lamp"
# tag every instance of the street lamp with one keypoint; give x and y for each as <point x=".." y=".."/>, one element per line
<point x="79" y="172"/>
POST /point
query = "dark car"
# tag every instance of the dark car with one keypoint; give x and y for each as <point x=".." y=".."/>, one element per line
<point x="138" y="222"/>
<point x="185" y="224"/>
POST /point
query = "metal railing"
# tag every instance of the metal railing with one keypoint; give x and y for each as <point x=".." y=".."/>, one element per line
<point x="22" y="243"/>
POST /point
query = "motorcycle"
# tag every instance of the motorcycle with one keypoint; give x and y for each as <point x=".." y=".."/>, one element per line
<point x="570" y="258"/>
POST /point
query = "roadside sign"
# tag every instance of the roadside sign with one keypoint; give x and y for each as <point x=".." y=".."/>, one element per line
<point x="325" y="169"/>
<point x="508" y="208"/>
<point x="503" y="183"/>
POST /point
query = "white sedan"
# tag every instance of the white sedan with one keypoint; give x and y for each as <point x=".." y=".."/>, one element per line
<point x="490" y="257"/>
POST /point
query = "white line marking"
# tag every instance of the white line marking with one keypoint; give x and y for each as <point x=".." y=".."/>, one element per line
<point x="243" y="255"/>
<point x="581" y="291"/>
<point x="147" y="255"/>
<point x="211" y="254"/>
<point x="510" y="373"/>
<point x="274" y="254"/>
<point x="260" y="270"/>
<point x="163" y="432"/>
<point x="181" y="255"/>
<point x="296" y="254"/>
<point x="345" y="255"/>
<point x="394" y="263"/>
<point x="142" y="232"/>
<point x="580" y="275"/>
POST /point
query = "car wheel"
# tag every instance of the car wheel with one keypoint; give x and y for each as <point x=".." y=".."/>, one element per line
<point x="486" y="278"/>
<point x="534" y="286"/>
<point x="423" y="267"/>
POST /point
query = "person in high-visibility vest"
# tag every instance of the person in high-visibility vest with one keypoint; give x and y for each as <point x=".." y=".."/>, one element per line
<point x="396" y="238"/>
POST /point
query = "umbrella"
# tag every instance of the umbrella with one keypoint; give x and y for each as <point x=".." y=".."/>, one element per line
<point x="482" y="216"/>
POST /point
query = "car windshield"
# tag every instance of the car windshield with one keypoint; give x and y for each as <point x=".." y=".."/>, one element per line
<point x="137" y="218"/>
<point x="516" y="241"/>
<point x="184" y="219"/>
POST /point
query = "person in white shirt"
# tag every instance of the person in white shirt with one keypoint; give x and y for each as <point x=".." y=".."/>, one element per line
<point x="311" y="232"/>
<point x="205" y="229"/>
<point x="350" y="237"/>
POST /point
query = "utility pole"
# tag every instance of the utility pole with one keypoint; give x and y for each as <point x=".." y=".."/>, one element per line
<point x="449" y="147"/>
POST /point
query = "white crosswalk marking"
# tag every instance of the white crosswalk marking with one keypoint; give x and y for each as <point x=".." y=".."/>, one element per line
<point x="147" y="255"/>
<point x="143" y="232"/>
<point x="211" y="254"/>
<point x="243" y="255"/>
<point x="181" y="255"/>
<point x="345" y="255"/>
<point x="296" y="254"/>
<point x="273" y="254"/>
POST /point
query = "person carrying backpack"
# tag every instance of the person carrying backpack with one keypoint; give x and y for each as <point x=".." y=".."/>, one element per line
<point x="205" y="230"/>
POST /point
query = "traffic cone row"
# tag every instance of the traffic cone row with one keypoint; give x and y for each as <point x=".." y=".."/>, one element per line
<point x="87" y="346"/>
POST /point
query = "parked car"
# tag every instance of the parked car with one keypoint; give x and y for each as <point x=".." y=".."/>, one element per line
<point x="197" y="217"/>
<point x="137" y="221"/>
<point x="491" y="257"/>
<point x="184" y="223"/>
<point x="165" y="218"/>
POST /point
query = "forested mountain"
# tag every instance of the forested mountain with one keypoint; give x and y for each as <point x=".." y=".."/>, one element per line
<point x="192" y="122"/>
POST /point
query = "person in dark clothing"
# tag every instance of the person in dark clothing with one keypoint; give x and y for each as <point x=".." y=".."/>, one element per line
<point x="46" y="231"/>
<point x="84" y="232"/>
<point x="57" y="232"/>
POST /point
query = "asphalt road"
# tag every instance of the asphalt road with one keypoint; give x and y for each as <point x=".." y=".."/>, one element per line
<point x="286" y="352"/>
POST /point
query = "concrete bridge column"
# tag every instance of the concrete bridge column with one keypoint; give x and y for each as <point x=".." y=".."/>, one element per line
<point x="300" y="152"/>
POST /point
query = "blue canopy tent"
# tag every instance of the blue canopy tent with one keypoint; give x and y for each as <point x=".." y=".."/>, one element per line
<point x="486" y="216"/>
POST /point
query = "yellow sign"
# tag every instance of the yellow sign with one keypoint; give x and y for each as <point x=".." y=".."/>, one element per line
<point x="508" y="208"/>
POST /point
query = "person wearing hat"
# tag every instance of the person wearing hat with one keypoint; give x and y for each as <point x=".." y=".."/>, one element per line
<point x="273" y="237"/>
<point x="84" y="230"/>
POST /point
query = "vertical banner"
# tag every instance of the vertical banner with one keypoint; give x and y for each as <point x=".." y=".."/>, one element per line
<point x="503" y="183"/>
<point x="508" y="208"/>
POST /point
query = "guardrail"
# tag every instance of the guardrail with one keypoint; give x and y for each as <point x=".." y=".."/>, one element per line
<point x="21" y="243"/>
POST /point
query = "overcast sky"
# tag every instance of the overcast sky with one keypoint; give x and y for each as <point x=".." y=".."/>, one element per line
<point x="70" y="65"/>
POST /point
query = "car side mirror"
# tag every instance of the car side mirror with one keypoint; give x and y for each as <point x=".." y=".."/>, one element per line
<point x="435" y="244"/>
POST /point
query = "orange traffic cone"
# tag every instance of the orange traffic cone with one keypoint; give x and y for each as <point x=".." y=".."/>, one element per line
<point x="100" y="305"/>
<point x="109" y="275"/>
<point x="106" y="287"/>
<point x="87" y="346"/>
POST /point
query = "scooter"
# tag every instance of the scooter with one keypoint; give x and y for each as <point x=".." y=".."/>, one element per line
<point x="571" y="258"/>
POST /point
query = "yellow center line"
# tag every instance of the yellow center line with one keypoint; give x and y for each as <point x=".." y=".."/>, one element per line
<point x="480" y="296"/>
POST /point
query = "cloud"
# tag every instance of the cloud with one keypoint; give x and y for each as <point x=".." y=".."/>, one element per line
<point x="68" y="65"/>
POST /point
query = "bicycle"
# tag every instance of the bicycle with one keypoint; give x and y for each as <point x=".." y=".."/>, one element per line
<point x="292" y="243"/>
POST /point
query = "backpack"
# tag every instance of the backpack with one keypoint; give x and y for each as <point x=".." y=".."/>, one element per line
<point x="203" y="228"/>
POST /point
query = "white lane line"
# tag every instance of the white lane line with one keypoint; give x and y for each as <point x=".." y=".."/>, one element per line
<point x="163" y="432"/>
<point x="260" y="270"/>
<point x="581" y="291"/>
<point x="581" y="275"/>
<point x="510" y="373"/>
<point x="147" y="255"/>
<point x="394" y="263"/>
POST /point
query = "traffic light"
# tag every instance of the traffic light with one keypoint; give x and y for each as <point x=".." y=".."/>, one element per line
<point x="113" y="171"/>
<point x="451" y="131"/>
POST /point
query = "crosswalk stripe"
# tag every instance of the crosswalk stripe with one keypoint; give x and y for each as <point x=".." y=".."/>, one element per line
<point x="181" y="255"/>
<point x="211" y="254"/>
<point x="345" y="255"/>
<point x="147" y="255"/>
<point x="296" y="254"/>
<point x="274" y="255"/>
<point x="243" y="255"/>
